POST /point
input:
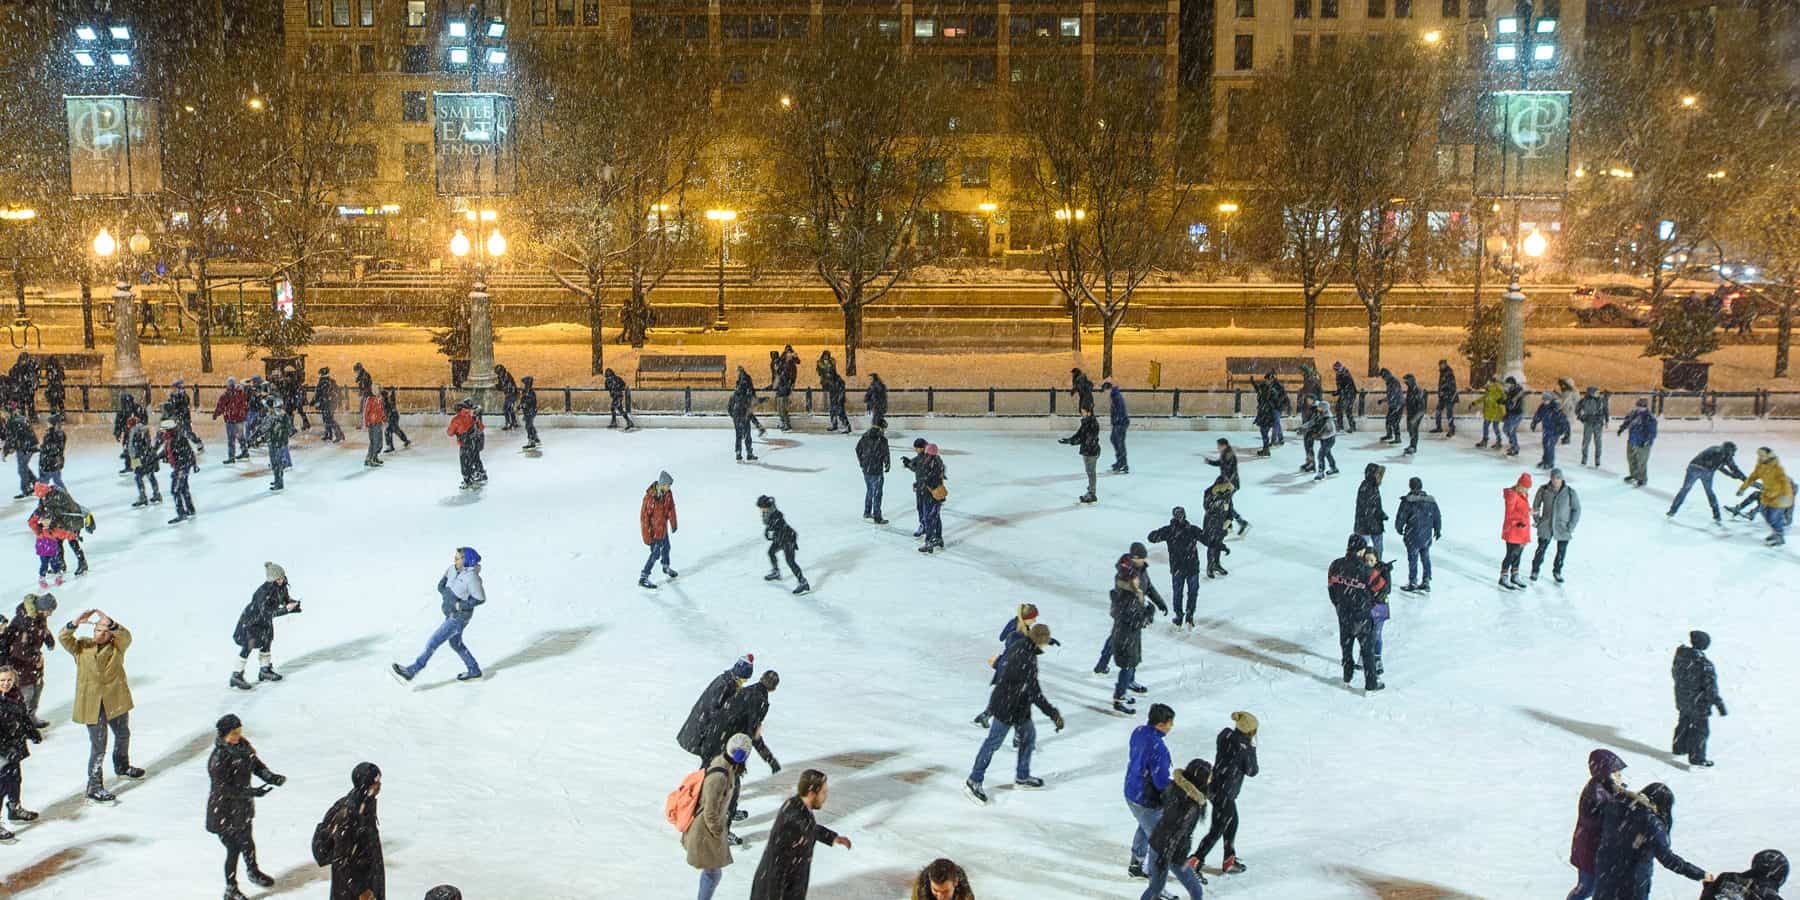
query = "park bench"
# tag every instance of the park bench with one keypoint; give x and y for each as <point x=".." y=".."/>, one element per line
<point x="76" y="366"/>
<point x="680" y="368"/>
<point x="1287" y="369"/>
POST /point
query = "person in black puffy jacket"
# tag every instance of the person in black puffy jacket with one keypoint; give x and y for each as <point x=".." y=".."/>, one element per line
<point x="1086" y="441"/>
<point x="1184" y="805"/>
<point x="231" y="802"/>
<point x="1233" y="761"/>
<point x="1634" y="834"/>
<point x="1016" y="691"/>
<point x="1762" y="881"/>
<point x="1696" y="696"/>
<point x="782" y="539"/>
<point x="256" y="625"/>
<point x="1371" y="519"/>
<point x="1183" y="538"/>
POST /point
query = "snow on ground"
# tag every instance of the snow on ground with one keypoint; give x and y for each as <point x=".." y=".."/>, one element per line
<point x="547" y="779"/>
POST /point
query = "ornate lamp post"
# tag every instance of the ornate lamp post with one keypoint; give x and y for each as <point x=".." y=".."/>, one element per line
<point x="1512" y="308"/>
<point x="481" y="379"/>
<point x="128" y="365"/>
<point x="724" y="217"/>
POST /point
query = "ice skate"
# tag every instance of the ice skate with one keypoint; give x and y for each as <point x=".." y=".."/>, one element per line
<point x="469" y="676"/>
<point x="400" y="673"/>
<point x="268" y="673"/>
<point x="802" y="588"/>
<point x="260" y="878"/>
<point x="671" y="573"/>
<point x="773" y="575"/>
<point x="100" y="794"/>
<point x="972" y="789"/>
<point x="1120" y="707"/>
<point x="237" y="681"/>
<point x="1232" y="866"/>
<point x="1029" y="783"/>
<point x="19" y="813"/>
<point x="645" y="582"/>
<point x="232" y="893"/>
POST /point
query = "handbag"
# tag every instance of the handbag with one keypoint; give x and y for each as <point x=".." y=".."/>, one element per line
<point x="940" y="493"/>
<point x="1379" y="612"/>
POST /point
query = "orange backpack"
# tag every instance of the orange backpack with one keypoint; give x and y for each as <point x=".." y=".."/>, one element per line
<point x="683" y="803"/>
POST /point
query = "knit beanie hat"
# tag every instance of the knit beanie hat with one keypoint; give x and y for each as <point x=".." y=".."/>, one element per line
<point x="444" y="892"/>
<point x="744" y="666"/>
<point x="1700" y="639"/>
<point x="738" y="748"/>
<point x="1138" y="550"/>
<point x="470" y="557"/>
<point x="771" y="680"/>
<point x="272" y="572"/>
<point x="227" y="724"/>
<point x="931" y="450"/>
<point x="1245" y="722"/>
<point x="665" y="479"/>
<point x="1524" y="479"/>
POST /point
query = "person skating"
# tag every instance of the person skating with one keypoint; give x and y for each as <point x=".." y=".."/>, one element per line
<point x="928" y="481"/>
<point x="942" y="879"/>
<point x="656" y="521"/>
<point x="1308" y="415"/>
<point x="1514" y="398"/>
<point x="51" y="452"/>
<point x="1016" y="691"/>
<point x="466" y="427"/>
<point x="1418" y="522"/>
<point x="1226" y="462"/>
<point x="1268" y="412"/>
<point x="1393" y="398"/>
<point x="528" y="411"/>
<point x="508" y="386"/>
<point x="1492" y="404"/>
<point x="1015" y="634"/>
<point x="1325" y="432"/>
<point x="325" y="400"/>
<point x="833" y="385"/>
<point x="180" y="408"/>
<point x="1347" y="583"/>
<point x="141" y="458"/>
<point x="1131" y="572"/>
<point x="374" y="421"/>
<point x="1696" y="696"/>
<point x="1567" y="397"/>
<point x="102" y="696"/>
<point x="1777" y="494"/>
<point x="1215" y="524"/>
<point x="875" y="398"/>
<point x="1086" y="441"/>
<point x="786" y="367"/>
<point x="1639" y="426"/>
<point x="461" y="591"/>
<point x="1346" y="398"/>
<point x="618" y="396"/>
<point x="1594" y="414"/>
<point x="348" y="839"/>
<point x="21" y="442"/>
<point x="365" y="383"/>
<point x="1310" y="388"/>
<point x="1700" y="469"/>
<point x="17" y="727"/>
<point x="46" y="547"/>
<point x="173" y="448"/>
<point x="1556" y="510"/>
<point x="234" y="405"/>
<point x="279" y="431"/>
<point x="1553" y="421"/>
<point x="22" y="645"/>
<point x="1131" y="613"/>
<point x="743" y="713"/>
<point x="743" y="400"/>
<point x="709" y="707"/>
<point x="256" y="403"/>
<point x="786" y="866"/>
<point x="1120" y="420"/>
<point x="1381" y="588"/>
<point x="1414" y="403"/>
<point x="390" y="411"/>
<point x="1147" y="781"/>
<point x="1371" y="519"/>
<point x="782" y="539"/>
<point x="1081" y="388"/>
<point x="1184" y="805"/>
<point x="231" y="801"/>
<point x="1762" y="881"/>
<point x="129" y="413"/>
<point x="1444" y="420"/>
<point x="291" y="391"/>
<point x="916" y="463"/>
<point x="256" y="626"/>
<point x="1634" y="834"/>
<point x="1603" y="786"/>
<point x="1183" y="538"/>
<point x="1515" y="529"/>
<point x="1234" y="760"/>
<point x="706" y="840"/>
<point x="873" y="458"/>
<point x="55" y="386"/>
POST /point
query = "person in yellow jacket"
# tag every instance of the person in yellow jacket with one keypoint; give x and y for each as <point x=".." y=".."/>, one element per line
<point x="102" y="695"/>
<point x="1777" y="494"/>
<point x="1493" y="410"/>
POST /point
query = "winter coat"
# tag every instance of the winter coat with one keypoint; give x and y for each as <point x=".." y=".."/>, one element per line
<point x="325" y="393"/>
<point x="140" y="448"/>
<point x="1266" y="410"/>
<point x="707" y="708"/>
<point x="1395" y="396"/>
<point x="1632" y="836"/>
<point x="875" y="398"/>
<point x="786" y="866"/>
<point x="1568" y="397"/>
<point x="704" y="840"/>
<point x="1147" y="769"/>
<point x="1309" y="383"/>
<point x="179" y="407"/>
<point x="1183" y="540"/>
<point x="19" y="436"/>
<point x="928" y="471"/>
<point x="743" y="397"/>
<point x="100" y="679"/>
<point x="58" y="511"/>
<point x="1086" y="437"/>
<point x="656" y="517"/>
<point x="23" y="643"/>
<point x="465" y="426"/>
<point x="233" y="404"/>
<point x="528" y="402"/>
<point x="872" y="452"/>
<point x="1016" y="690"/>
<point x="1556" y="513"/>
<point x="1415" y="399"/>
<point x="786" y="370"/>
<point x="1592" y="805"/>
<point x="1346" y="390"/>
<point x="365" y="383"/>
<point x="1418" y="519"/>
<point x="390" y="406"/>
<point x="1762" y="881"/>
<point x="778" y="532"/>
<point x="374" y="413"/>
<point x="256" y="624"/>
<point x="1717" y="459"/>
<point x="231" y="803"/>
<point x="1777" y="488"/>
<point x="1173" y="837"/>
<point x="173" y="448"/>
<point x="1370" y="517"/>
<point x="1234" y="759"/>
<point x="1642" y="427"/>
<point x="1515" y="523"/>
<point x="1347" y="583"/>
<point x="1446" y="386"/>
<point x="1551" y="418"/>
<point x="1217" y="513"/>
<point x="1515" y="401"/>
<point x="462" y="591"/>
<point x="743" y="714"/>
<point x="50" y="452"/>
<point x="1129" y="615"/>
<point x="279" y="429"/>
<point x="1592" y="411"/>
<point x="1116" y="414"/>
<point x="1082" y="388"/>
<point x="129" y="409"/>
<point x="16" y="729"/>
<point x="1696" y="683"/>
<point x="1493" y="402"/>
<point x="615" y="386"/>
<point x="356" y="858"/>
<point x="1227" y="464"/>
<point x="833" y="385"/>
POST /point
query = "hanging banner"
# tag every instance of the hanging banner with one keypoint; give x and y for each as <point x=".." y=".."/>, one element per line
<point x="1522" y="149"/>
<point x="474" y="144"/>
<point x="115" y="146"/>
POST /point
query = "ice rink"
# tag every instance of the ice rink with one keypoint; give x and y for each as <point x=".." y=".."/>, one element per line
<point x="546" y="780"/>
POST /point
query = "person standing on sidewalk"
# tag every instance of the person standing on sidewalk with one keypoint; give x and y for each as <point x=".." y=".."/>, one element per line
<point x="374" y="420"/>
<point x="102" y="696"/>
<point x="873" y="458"/>
<point x="656" y="520"/>
<point x="1086" y="441"/>
<point x="1121" y="420"/>
<point x="234" y="405"/>
<point x="1642" y="427"/>
<point x="462" y="591"/>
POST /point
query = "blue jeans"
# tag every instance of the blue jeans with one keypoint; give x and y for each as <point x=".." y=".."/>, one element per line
<point x="52" y="476"/>
<point x="872" y="494"/>
<point x="1188" y="583"/>
<point x="1510" y="427"/>
<point x="1487" y="427"/>
<point x="1146" y="817"/>
<point x="1417" y="558"/>
<point x="1118" y="445"/>
<point x="1159" y="876"/>
<point x="1379" y="624"/>
<point x="1702" y="475"/>
<point x="1779" y="519"/>
<point x="658" y="549"/>
<point x="996" y="736"/>
<point x="1105" y="654"/>
<point x="234" y="435"/>
<point x="1584" y="885"/>
<point x="1276" y="428"/>
<point x="934" y="526"/>
<point x="452" y="631"/>
<point x="1550" y="439"/>
<point x="1127" y="678"/>
<point x="26" y="478"/>
<point x="709" y="882"/>
<point x="919" y="500"/>
<point x="1374" y="542"/>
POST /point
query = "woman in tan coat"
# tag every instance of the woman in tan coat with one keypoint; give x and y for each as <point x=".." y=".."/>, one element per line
<point x="102" y="695"/>
<point x="705" y="840"/>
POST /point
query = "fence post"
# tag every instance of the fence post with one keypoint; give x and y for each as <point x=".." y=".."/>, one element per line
<point x="568" y="399"/>
<point x="443" y="398"/>
<point x="990" y="401"/>
<point x="1053" y="401"/>
<point x="1175" y="406"/>
<point x="687" y="401"/>
<point x="808" y="392"/>
<point x="84" y="399"/>
<point x="1237" y="402"/>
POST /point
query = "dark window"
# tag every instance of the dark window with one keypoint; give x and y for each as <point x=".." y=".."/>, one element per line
<point x="1243" y="52"/>
<point x="981" y="69"/>
<point x="1402" y="9"/>
<point x="565" y="12"/>
<point x="1106" y="27"/>
<point x="1477" y="9"/>
<point x="314" y="60"/>
<point x="932" y="170"/>
<point x="1021" y="172"/>
<point x="365" y="58"/>
<point x="315" y="13"/>
<point x="956" y="69"/>
<point x="1302" y="9"/>
<point x="1303" y="49"/>
<point x="985" y="27"/>
<point x="696" y="26"/>
<point x="1377" y="9"/>
<point x="1328" y="46"/>
<point x="418" y="162"/>
<point x="1246" y="9"/>
<point x="793" y="26"/>
<point x="359" y="162"/>
<point x="734" y="28"/>
<point x="590" y="12"/>
<point x="415" y="58"/>
<point x="415" y="13"/>
<point x="1328" y="9"/>
<point x="341" y="58"/>
<point x="763" y="27"/>
<point x="1237" y="116"/>
<point x="1452" y="9"/>
<point x="340" y="13"/>
<point x="365" y="107"/>
<point x="974" y="171"/>
<point x="412" y="106"/>
<point x="540" y="12"/>
<point x="366" y="13"/>
<point x="644" y="26"/>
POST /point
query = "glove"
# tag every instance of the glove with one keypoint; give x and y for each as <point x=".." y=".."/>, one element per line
<point x="774" y="765"/>
<point x="277" y="780"/>
<point x="1057" y="719"/>
<point x="262" y="791"/>
<point x="1722" y="711"/>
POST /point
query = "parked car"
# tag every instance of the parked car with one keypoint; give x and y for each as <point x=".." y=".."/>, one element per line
<point x="1610" y="304"/>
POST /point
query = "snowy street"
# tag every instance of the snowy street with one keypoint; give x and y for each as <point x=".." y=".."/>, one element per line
<point x="547" y="778"/>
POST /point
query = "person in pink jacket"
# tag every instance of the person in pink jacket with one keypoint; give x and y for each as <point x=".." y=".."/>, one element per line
<point x="1515" y="529"/>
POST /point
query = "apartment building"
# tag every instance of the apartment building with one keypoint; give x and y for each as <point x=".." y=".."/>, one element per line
<point x="1693" y="36"/>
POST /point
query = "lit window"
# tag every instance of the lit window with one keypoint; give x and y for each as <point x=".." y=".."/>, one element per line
<point x="1546" y="26"/>
<point x="459" y="56"/>
<point x="1543" y="52"/>
<point x="366" y="13"/>
<point x="1069" y="26"/>
<point x="415" y="13"/>
<point x="1508" y="25"/>
<point x="1506" y="53"/>
<point x="925" y="28"/>
<point x="340" y="13"/>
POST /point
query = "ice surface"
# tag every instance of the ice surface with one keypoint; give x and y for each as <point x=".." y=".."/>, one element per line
<point x="547" y="779"/>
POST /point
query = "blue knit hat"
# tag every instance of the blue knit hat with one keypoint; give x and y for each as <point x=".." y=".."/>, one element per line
<point x="744" y="667"/>
<point x="470" y="557"/>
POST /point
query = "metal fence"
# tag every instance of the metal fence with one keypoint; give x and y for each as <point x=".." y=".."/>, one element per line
<point x="993" y="402"/>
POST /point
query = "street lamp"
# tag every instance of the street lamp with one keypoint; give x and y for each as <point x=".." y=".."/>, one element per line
<point x="480" y="42"/>
<point x="18" y="217"/>
<point x="1226" y="210"/>
<point x="1512" y="305"/>
<point x="1433" y="36"/>
<point x="724" y="217"/>
<point x="128" y="367"/>
<point x="481" y="379"/>
<point x="1689" y="101"/>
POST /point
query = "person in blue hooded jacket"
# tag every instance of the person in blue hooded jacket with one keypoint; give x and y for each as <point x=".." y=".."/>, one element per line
<point x="1120" y="420"/>
<point x="1553" y="420"/>
<point x="1146" y="778"/>
<point x="1419" y="523"/>
<point x="461" y="591"/>
<point x="1634" y="832"/>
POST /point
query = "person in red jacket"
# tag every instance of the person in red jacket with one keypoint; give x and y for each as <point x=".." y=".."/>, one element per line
<point x="374" y="419"/>
<point x="234" y="405"/>
<point x="466" y="427"/>
<point x="656" y="519"/>
<point x="1515" y="529"/>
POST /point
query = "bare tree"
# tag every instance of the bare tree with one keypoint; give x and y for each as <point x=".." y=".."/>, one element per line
<point x="617" y="136"/>
<point x="1105" y="182"/>
<point x="855" y="155"/>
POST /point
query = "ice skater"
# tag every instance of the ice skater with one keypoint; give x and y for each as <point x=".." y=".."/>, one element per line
<point x="1234" y="760"/>
<point x="1227" y="463"/>
<point x="1013" y="635"/>
<point x="17" y="726"/>
<point x="656" y="521"/>
<point x="1639" y="426"/>
<point x="21" y="442"/>
<point x="786" y="864"/>
<point x="875" y="398"/>
<point x="374" y="420"/>
<point x="1166" y="847"/>
<point x="469" y="432"/>
<point x="1016" y="691"/>
<point x="349" y="839"/>
<point x="1556" y="510"/>
<point x="1593" y="412"/>
<point x="528" y="410"/>
<point x="929" y="475"/>
<point x="278" y="428"/>
<point x="1086" y="441"/>
<point x="509" y="397"/>
<point x="1215" y="525"/>
<point x="1418" y="522"/>
<point x="22" y="644"/>
<point x="618" y="396"/>
<point x="1554" y="422"/>
<point x="833" y="385"/>
<point x="1346" y="398"/>
<point x="256" y="626"/>
<point x="1513" y="398"/>
<point x="462" y="591"/>
<point x="1414" y="402"/>
<point x="46" y="546"/>
<point x="1183" y="539"/>
<point x="234" y="405"/>
<point x="1131" y="613"/>
<point x="783" y="540"/>
<point x="102" y="696"/>
<point x="1515" y="529"/>
<point x="390" y="410"/>
<point x="1696" y="696"/>
<point x="175" y="450"/>
<point x="1132" y="571"/>
<point x="325" y="400"/>
<point x="1701" y="469"/>
<point x="1445" y="419"/>
<point x="1393" y="398"/>
<point x="873" y="458"/>
<point x="231" y="801"/>
<point x="1347" y="583"/>
<point x="1776" y="496"/>
<point x="1121" y="422"/>
<point x="1147" y="781"/>
<point x="51" y="452"/>
<point x="1603" y="786"/>
<point x="740" y="407"/>
<point x="1371" y="519"/>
